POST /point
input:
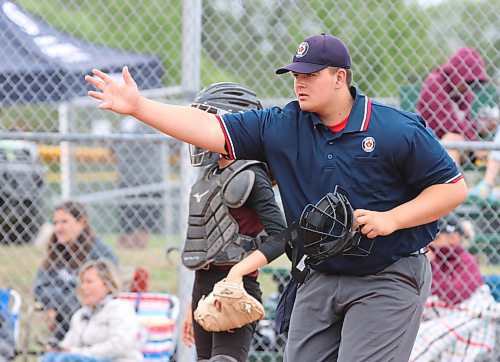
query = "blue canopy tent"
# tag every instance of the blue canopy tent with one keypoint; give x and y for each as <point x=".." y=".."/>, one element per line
<point x="41" y="64"/>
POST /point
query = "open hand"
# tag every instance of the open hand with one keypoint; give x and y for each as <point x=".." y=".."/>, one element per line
<point x="121" y="98"/>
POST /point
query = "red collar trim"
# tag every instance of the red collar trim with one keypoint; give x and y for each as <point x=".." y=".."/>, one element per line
<point x="340" y="126"/>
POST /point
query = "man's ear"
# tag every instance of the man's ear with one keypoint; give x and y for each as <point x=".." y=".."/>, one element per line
<point x="340" y="77"/>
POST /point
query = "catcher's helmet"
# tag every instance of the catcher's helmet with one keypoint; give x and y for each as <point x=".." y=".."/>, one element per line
<point x="220" y="98"/>
<point x="329" y="228"/>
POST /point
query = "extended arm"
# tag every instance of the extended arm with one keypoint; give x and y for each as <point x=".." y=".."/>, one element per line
<point x="184" y="123"/>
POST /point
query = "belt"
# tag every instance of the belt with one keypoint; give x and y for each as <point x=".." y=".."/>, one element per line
<point x="423" y="250"/>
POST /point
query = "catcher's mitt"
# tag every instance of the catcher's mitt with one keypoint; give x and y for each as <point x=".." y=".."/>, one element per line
<point x="237" y="308"/>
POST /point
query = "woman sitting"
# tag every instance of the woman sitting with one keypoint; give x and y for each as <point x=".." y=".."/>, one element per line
<point x="106" y="328"/>
<point x="71" y="244"/>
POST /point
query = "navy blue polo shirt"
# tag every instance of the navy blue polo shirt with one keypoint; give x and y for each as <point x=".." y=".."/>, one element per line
<point x="383" y="157"/>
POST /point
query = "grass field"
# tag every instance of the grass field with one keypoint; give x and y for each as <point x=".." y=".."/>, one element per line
<point x="19" y="263"/>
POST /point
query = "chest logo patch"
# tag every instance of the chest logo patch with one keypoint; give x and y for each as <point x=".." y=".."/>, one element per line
<point x="368" y="144"/>
<point x="302" y="49"/>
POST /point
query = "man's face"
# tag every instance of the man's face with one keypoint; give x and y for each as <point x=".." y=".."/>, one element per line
<point x="314" y="91"/>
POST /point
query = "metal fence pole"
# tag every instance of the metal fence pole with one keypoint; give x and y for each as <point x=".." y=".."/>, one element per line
<point x="191" y="47"/>
<point x="191" y="63"/>
<point x="63" y="112"/>
<point x="186" y="277"/>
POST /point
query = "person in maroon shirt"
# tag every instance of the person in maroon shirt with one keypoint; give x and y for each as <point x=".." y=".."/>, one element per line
<point x="446" y="97"/>
<point x="455" y="271"/>
<point x="459" y="322"/>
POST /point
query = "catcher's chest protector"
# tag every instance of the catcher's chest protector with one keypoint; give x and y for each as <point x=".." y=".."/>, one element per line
<point x="212" y="234"/>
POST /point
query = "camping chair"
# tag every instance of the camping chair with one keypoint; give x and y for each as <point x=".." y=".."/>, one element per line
<point x="158" y="313"/>
<point x="10" y="305"/>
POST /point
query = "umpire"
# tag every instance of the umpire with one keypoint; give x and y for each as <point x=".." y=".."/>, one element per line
<point x="399" y="178"/>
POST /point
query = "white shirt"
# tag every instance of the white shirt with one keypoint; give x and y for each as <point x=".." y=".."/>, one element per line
<point x="111" y="332"/>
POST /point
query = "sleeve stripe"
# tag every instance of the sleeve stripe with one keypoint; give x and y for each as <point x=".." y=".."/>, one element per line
<point x="229" y="145"/>
<point x="454" y="179"/>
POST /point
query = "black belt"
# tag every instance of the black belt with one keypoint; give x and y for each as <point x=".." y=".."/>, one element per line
<point x="420" y="251"/>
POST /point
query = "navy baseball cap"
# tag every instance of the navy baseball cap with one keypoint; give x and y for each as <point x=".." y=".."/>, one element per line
<point x="318" y="52"/>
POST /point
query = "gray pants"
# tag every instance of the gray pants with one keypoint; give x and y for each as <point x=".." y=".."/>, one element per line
<point x="349" y="318"/>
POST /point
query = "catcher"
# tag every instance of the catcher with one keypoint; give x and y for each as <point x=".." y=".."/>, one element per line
<point x="232" y="205"/>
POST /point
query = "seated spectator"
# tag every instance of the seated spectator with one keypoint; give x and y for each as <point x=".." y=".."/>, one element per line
<point x="446" y="97"/>
<point x="484" y="189"/>
<point x="71" y="244"/>
<point x="105" y="328"/>
<point x="458" y="322"/>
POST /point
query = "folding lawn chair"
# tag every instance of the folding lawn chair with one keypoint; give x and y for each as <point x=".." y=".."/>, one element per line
<point x="10" y="305"/>
<point x="158" y="313"/>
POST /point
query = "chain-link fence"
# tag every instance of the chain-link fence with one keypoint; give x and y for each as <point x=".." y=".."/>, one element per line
<point x="133" y="181"/>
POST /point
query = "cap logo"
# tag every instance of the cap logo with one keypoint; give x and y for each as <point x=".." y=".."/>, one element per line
<point x="302" y="49"/>
<point x="368" y="144"/>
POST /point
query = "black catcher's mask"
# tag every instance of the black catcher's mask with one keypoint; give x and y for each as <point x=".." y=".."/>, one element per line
<point x="328" y="228"/>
